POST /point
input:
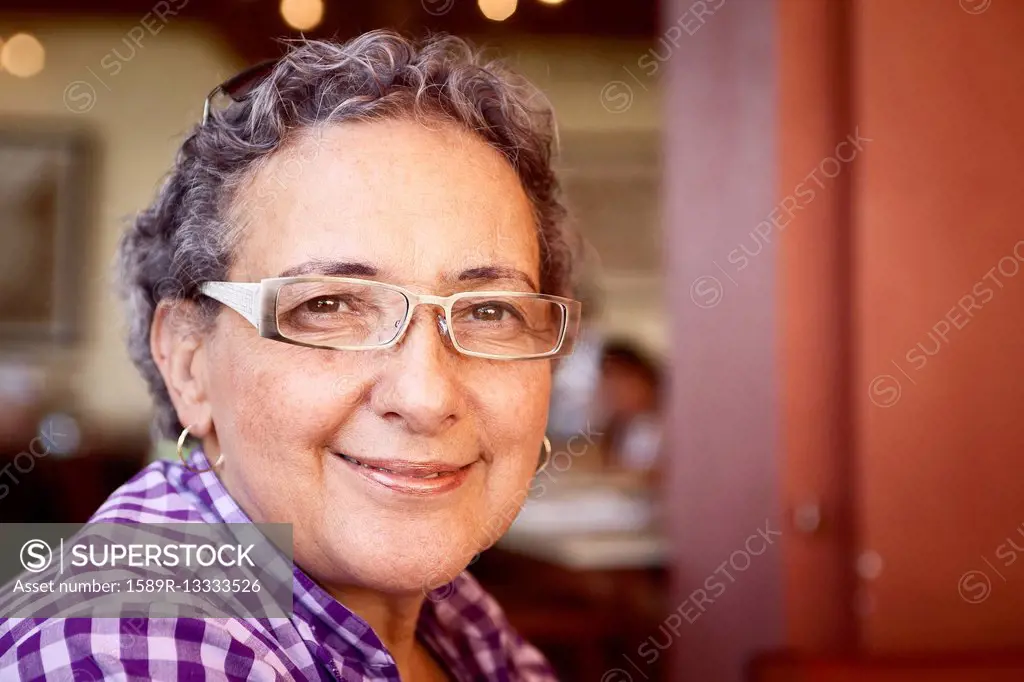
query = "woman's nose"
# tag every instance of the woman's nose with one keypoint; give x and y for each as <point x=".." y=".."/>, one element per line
<point x="419" y="385"/>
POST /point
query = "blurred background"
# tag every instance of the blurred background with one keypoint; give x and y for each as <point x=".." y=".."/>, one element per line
<point x="788" y="447"/>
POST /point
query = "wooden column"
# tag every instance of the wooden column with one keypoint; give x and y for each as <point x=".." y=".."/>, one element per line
<point x="816" y="335"/>
<point x="724" y="408"/>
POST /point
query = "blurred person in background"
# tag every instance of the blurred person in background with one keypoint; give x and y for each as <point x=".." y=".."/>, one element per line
<point x="364" y="352"/>
<point x="628" y="407"/>
<point x="575" y="380"/>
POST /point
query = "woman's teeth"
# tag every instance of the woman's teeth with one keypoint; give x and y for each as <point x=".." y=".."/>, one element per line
<point x="365" y="466"/>
<point x="436" y="474"/>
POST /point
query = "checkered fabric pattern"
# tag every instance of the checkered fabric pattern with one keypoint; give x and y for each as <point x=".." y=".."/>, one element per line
<point x="323" y="640"/>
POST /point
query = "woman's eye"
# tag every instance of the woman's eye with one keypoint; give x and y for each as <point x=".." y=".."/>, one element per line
<point x="323" y="305"/>
<point x="494" y="311"/>
<point x="489" y="313"/>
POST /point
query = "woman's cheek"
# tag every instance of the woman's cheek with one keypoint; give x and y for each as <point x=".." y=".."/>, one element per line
<point x="519" y="395"/>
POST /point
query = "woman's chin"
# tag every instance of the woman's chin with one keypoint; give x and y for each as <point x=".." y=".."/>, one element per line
<point x="394" y="572"/>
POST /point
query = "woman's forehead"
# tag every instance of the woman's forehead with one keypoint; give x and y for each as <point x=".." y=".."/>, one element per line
<point x="417" y="200"/>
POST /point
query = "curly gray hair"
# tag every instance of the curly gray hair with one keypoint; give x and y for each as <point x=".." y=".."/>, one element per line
<point x="187" y="236"/>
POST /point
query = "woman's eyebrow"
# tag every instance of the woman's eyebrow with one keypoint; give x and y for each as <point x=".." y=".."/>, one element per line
<point x="331" y="268"/>
<point x="496" y="272"/>
<point x="343" y="268"/>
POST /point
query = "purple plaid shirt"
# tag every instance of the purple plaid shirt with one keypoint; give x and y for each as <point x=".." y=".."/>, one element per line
<point x="460" y="623"/>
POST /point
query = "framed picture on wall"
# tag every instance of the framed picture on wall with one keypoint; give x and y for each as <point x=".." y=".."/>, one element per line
<point x="45" y="211"/>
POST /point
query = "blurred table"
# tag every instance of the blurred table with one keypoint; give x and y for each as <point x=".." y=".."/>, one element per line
<point x="582" y="574"/>
<point x="591" y="551"/>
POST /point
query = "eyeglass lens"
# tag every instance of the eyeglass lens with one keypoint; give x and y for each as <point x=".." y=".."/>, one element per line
<point x="241" y="84"/>
<point x="349" y="314"/>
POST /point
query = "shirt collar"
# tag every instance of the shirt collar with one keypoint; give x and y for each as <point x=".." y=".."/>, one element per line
<point x="451" y="621"/>
<point x="321" y="620"/>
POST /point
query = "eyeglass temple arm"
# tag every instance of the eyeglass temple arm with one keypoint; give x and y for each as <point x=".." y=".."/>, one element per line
<point x="206" y="108"/>
<point x="208" y="104"/>
<point x="242" y="297"/>
<point x="241" y="82"/>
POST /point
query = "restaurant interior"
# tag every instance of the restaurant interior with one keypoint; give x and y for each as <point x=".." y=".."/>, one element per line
<point x="786" y="447"/>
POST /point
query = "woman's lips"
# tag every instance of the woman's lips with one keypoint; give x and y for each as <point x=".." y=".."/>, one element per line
<point x="419" y="478"/>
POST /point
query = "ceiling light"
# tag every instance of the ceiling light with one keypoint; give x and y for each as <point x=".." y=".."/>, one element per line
<point x="22" y="55"/>
<point x="552" y="2"/>
<point x="497" y="10"/>
<point x="302" y="15"/>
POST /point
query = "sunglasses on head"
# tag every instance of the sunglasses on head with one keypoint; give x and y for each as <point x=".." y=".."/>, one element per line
<point x="239" y="85"/>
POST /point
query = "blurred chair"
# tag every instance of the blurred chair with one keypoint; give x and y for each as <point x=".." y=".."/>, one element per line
<point x="577" y="616"/>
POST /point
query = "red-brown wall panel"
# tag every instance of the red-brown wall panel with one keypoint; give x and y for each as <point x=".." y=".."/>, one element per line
<point x="937" y="211"/>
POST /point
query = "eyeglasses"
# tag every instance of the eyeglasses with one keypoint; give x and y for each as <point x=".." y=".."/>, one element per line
<point x="239" y="85"/>
<point x="343" y="313"/>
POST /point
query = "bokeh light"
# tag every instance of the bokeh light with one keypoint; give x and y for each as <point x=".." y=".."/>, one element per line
<point x="302" y="15"/>
<point x="497" y="10"/>
<point x="22" y="55"/>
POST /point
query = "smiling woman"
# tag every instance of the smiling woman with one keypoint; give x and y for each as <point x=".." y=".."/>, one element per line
<point x="348" y="296"/>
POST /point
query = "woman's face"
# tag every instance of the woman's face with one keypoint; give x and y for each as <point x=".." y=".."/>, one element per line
<point x="432" y="209"/>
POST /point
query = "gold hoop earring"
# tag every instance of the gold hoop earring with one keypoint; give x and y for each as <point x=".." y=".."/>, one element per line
<point x="184" y="462"/>
<point x="545" y="455"/>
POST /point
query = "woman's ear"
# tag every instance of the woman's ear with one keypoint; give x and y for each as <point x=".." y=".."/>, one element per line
<point x="179" y="352"/>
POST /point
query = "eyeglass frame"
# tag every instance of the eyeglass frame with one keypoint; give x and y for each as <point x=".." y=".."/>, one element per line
<point x="239" y="85"/>
<point x="257" y="303"/>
